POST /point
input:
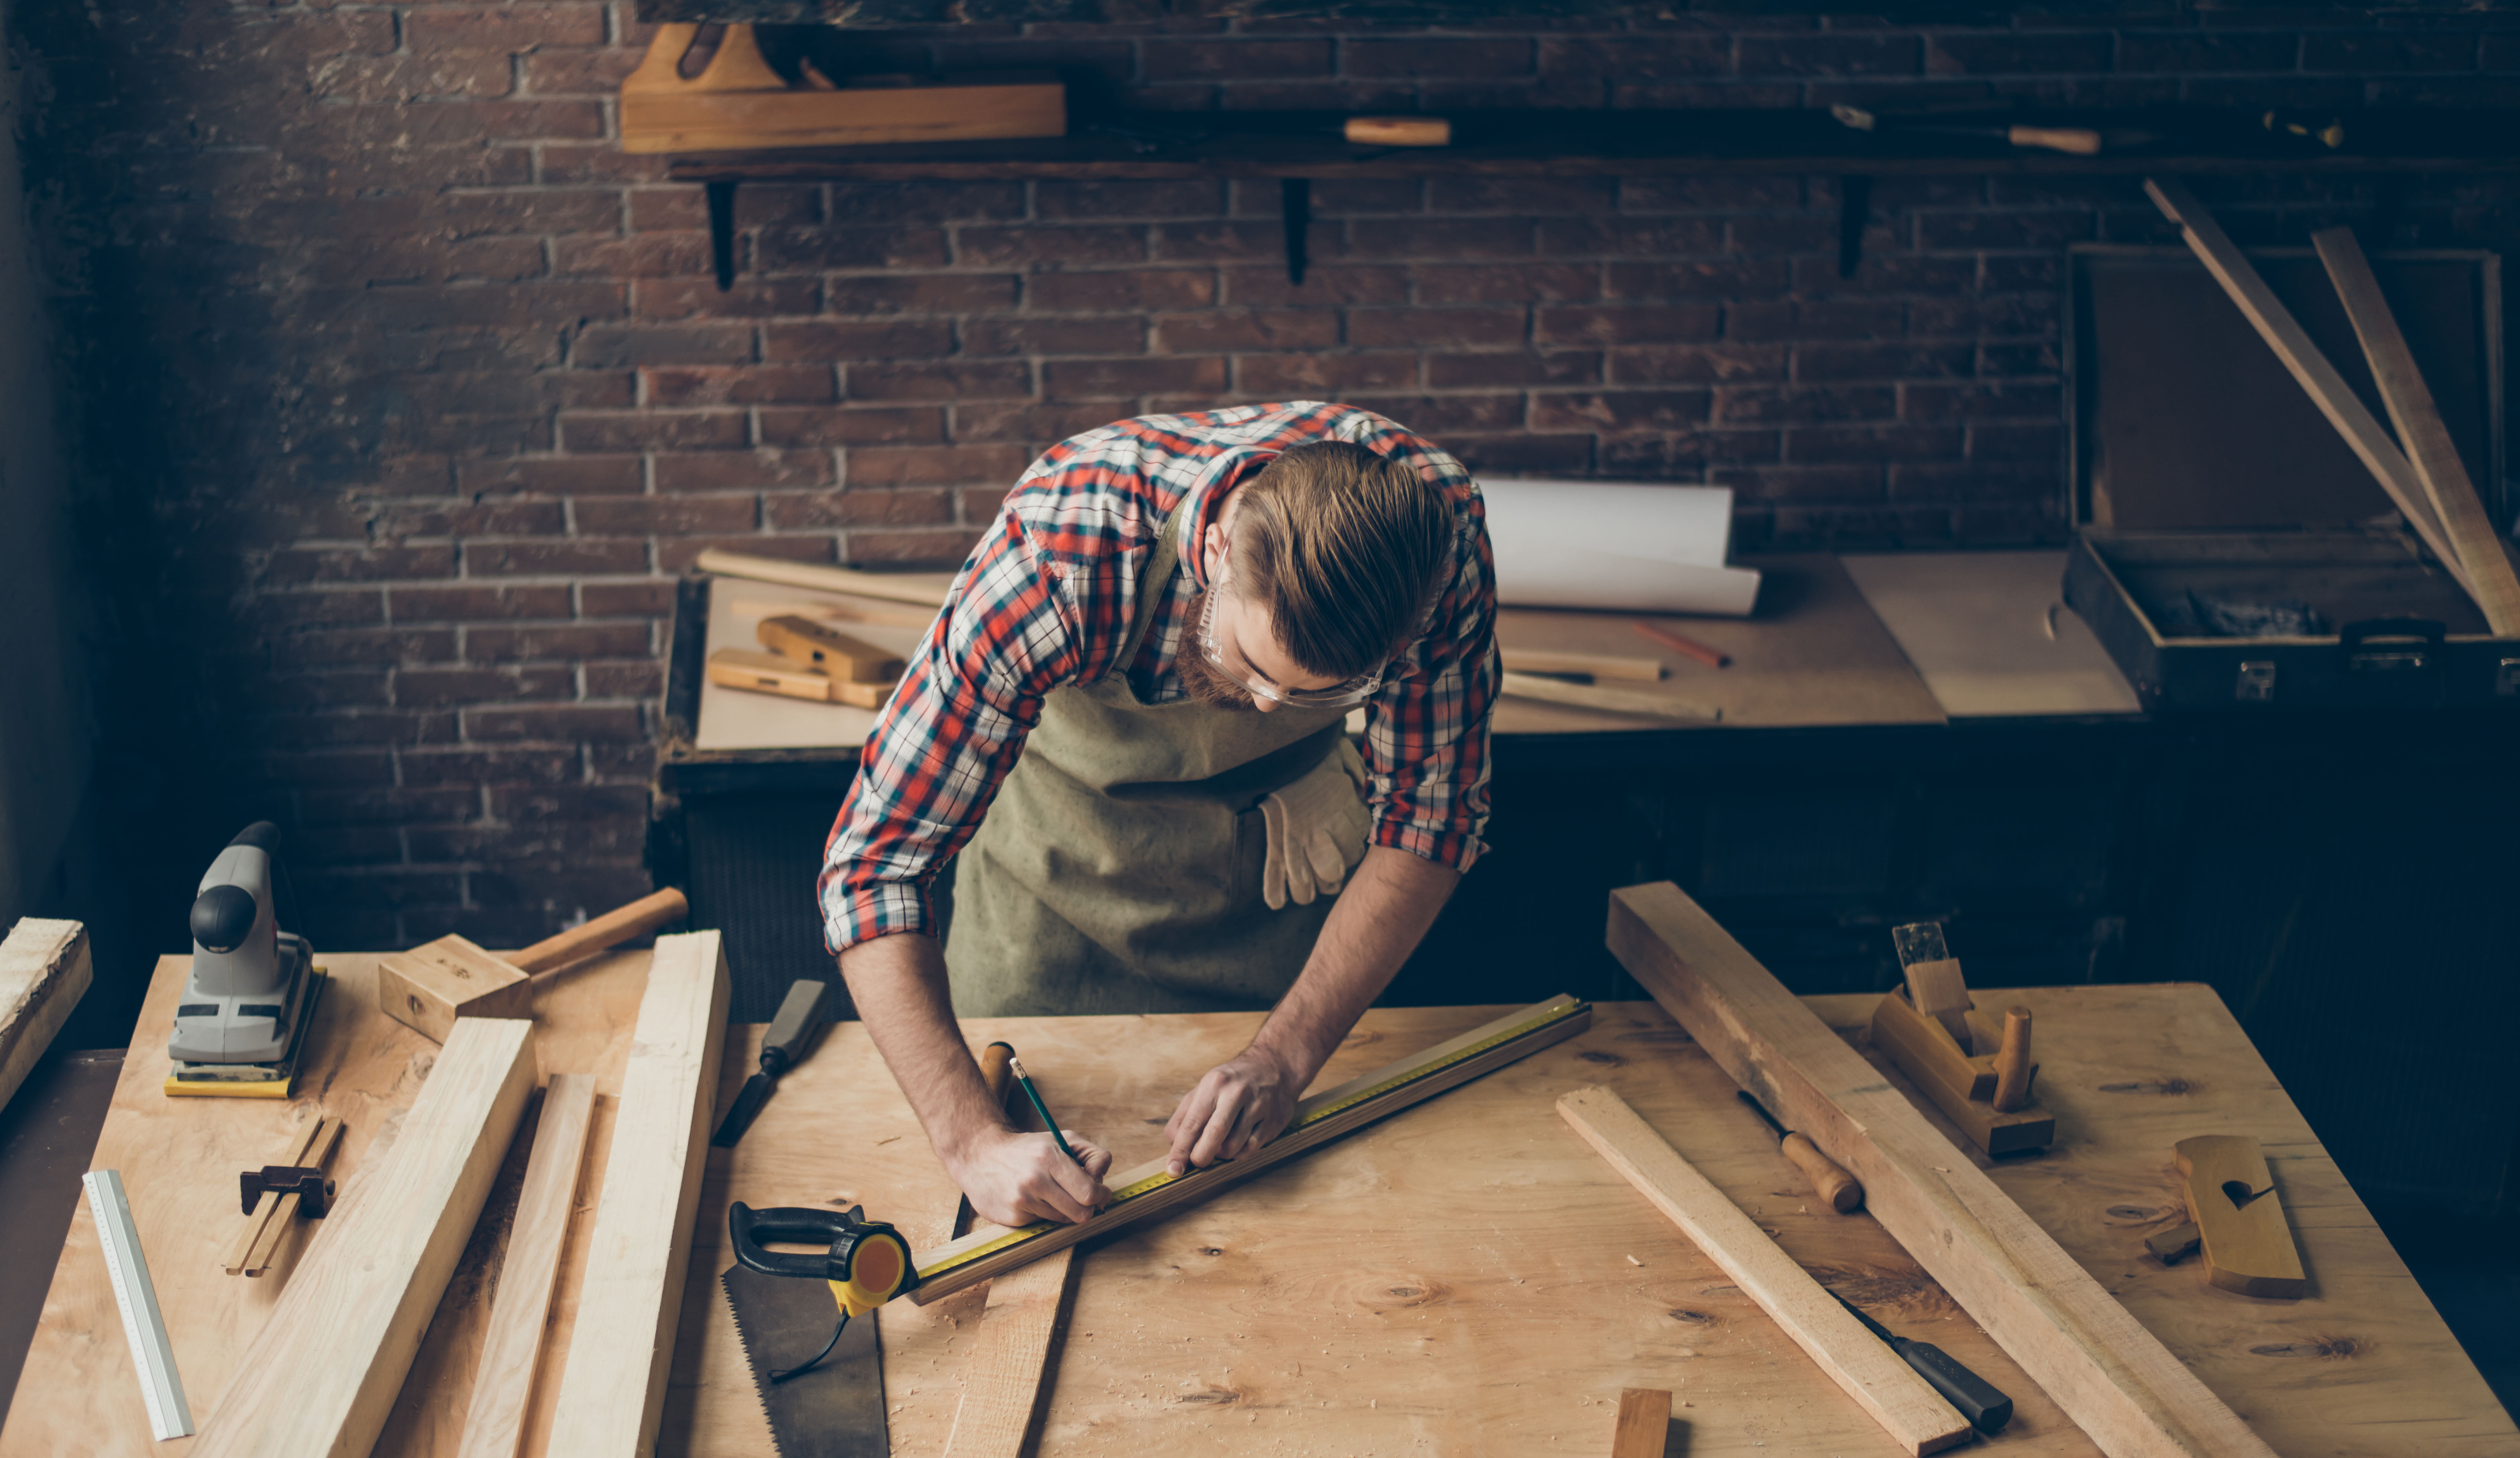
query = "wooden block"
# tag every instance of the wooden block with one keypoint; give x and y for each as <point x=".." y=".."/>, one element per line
<point x="2430" y="451"/>
<point x="2173" y="1245"/>
<point x="260" y="1217"/>
<point x="1864" y="1367"/>
<point x="2231" y="1197"/>
<point x="865" y="695"/>
<point x="1923" y="1053"/>
<point x="2308" y="367"/>
<point x="1319" y="1118"/>
<point x="2116" y="1381"/>
<point x="1598" y="665"/>
<point x="1006" y="1370"/>
<point x="44" y="971"/>
<point x="768" y="672"/>
<point x="612" y="1392"/>
<point x="511" y="1351"/>
<point x="1645" y="1424"/>
<point x="927" y="589"/>
<point x="828" y="652"/>
<point x="739" y="103"/>
<point x="326" y="1368"/>
<point x="2013" y="1062"/>
<point x="430" y="986"/>
<point x="265" y="1251"/>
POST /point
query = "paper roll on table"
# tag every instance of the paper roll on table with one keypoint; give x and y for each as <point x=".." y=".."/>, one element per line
<point x="1627" y="548"/>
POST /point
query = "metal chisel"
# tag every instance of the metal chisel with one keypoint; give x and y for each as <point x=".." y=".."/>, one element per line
<point x="799" y="1013"/>
<point x="1985" y="1406"/>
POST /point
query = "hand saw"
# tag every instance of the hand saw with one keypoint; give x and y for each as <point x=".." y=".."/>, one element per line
<point x="837" y="1409"/>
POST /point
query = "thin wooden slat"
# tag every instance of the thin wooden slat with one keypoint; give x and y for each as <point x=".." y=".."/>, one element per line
<point x="1008" y="1367"/>
<point x="320" y="1378"/>
<point x="1638" y="701"/>
<point x="511" y="1351"/>
<point x="1598" y="665"/>
<point x="1645" y="1424"/>
<point x="925" y="589"/>
<point x="2430" y="451"/>
<point x="2308" y="367"/>
<point x="1907" y="1407"/>
<point x="2127" y="1391"/>
<point x="44" y="971"/>
<point x="283" y="1213"/>
<point x="260" y="1219"/>
<point x="612" y="1392"/>
<point x="949" y="1267"/>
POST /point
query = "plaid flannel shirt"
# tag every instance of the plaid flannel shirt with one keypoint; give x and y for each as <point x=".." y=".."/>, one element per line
<point x="1047" y="598"/>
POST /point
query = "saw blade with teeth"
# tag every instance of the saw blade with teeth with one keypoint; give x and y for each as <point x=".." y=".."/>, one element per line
<point x="836" y="1410"/>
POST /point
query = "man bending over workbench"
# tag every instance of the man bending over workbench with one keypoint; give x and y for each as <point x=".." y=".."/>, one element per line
<point x="1129" y="720"/>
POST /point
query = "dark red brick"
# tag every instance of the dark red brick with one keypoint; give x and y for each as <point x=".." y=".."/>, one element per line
<point x="663" y="515"/>
<point x="702" y="299"/>
<point x="1020" y="334"/>
<point x="553" y="476"/>
<point x="805" y="510"/>
<point x="1235" y="59"/>
<point x="1437" y="329"/>
<point x="1150" y="288"/>
<point x="454" y="603"/>
<point x="1507" y="368"/>
<point x="440" y="688"/>
<point x="783" y="426"/>
<point x="1324" y="376"/>
<point x="1635" y="324"/>
<point x="652" y="430"/>
<point x="1822" y="443"/>
<point x="1222" y="329"/>
<point x="735" y="470"/>
<point x="1431" y="56"/>
<point x="926" y="466"/>
<point x="891" y="340"/>
<point x="563" y="640"/>
<point x="552" y="558"/>
<point x="939" y="381"/>
<point x="2006" y="53"/>
<point x="365" y="647"/>
<point x="520" y="28"/>
<point x="1836" y="362"/>
<point x="749" y="385"/>
<point x="1264" y="288"/>
<point x="1219" y="241"/>
<point x="1771" y="406"/>
<point x="1030" y="248"/>
<point x="930" y="293"/>
<point x="2207" y="50"/>
<point x="1038" y="426"/>
<point x="1434" y="238"/>
<point x="552" y="722"/>
<point x="614" y="346"/>
<point x="1087" y="379"/>
<point x="1620" y="410"/>
<point x="819" y="248"/>
<point x="1128" y="199"/>
<point x="1860" y="54"/>
<point x="299" y="565"/>
<point x="626" y="600"/>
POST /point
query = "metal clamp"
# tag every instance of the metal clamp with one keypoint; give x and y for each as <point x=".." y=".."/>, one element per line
<point x="2402" y="645"/>
<point x="313" y="1191"/>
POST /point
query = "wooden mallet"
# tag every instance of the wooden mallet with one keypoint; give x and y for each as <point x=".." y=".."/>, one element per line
<point x="430" y="986"/>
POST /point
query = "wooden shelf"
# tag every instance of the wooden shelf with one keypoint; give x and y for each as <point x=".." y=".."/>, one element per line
<point x="1595" y="144"/>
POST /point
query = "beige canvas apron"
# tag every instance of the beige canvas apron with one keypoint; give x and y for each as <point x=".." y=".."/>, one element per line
<point x="1118" y="870"/>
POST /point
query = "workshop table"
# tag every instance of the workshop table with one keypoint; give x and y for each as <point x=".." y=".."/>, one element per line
<point x="1464" y="1278"/>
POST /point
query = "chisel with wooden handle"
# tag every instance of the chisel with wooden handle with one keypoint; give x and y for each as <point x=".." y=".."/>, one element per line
<point x="1979" y="1401"/>
<point x="799" y="1013"/>
<point x="1843" y="1191"/>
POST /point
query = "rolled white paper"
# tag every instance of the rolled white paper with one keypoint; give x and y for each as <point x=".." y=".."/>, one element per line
<point x="1624" y="548"/>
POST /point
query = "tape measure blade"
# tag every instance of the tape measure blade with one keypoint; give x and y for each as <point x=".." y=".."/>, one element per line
<point x="143" y="1326"/>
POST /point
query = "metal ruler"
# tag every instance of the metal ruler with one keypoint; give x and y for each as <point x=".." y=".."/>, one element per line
<point x="169" y="1416"/>
<point x="1552" y="1013"/>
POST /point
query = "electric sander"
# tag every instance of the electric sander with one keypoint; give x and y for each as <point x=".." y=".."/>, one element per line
<point x="253" y="988"/>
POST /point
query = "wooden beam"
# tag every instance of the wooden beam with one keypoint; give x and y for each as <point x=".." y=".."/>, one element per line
<point x="44" y="971"/>
<point x="1646" y="703"/>
<point x="2308" y="367"/>
<point x="2128" y="1393"/>
<point x="2430" y="451"/>
<point x="326" y="1368"/>
<point x="1007" y="1368"/>
<point x="612" y="1392"/>
<point x="1598" y="665"/>
<point x="1147" y="1191"/>
<point x="1645" y="1424"/>
<point x="1864" y="1367"/>
<point x="503" y="1382"/>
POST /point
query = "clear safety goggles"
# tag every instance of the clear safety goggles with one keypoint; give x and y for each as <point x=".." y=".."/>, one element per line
<point x="1236" y="670"/>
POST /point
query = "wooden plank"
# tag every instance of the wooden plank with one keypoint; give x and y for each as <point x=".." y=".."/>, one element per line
<point x="324" y="1372"/>
<point x="1637" y="701"/>
<point x="2308" y="367"/>
<point x="265" y="1251"/>
<point x="1598" y="665"/>
<point x="925" y="589"/>
<point x="847" y="611"/>
<point x="1908" y="1408"/>
<point x="1147" y="1191"/>
<point x="827" y="650"/>
<point x="2430" y="451"/>
<point x="2248" y="1246"/>
<point x="613" y="1392"/>
<point x="1645" y="1424"/>
<point x="1006" y="1374"/>
<point x="2113" y="1378"/>
<point x="44" y="970"/>
<point x="511" y="1353"/>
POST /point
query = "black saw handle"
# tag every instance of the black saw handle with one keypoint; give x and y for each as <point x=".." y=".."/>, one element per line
<point x="790" y="1225"/>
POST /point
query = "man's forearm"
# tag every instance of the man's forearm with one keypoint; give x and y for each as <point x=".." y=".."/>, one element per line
<point x="898" y="985"/>
<point x="1378" y="920"/>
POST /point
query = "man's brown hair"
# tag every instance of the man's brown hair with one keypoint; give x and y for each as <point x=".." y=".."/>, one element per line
<point x="1343" y="547"/>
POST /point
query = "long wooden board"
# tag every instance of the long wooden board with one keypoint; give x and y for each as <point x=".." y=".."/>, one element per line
<point x="612" y="1392"/>
<point x="2114" y="1379"/>
<point x="2292" y="345"/>
<point x="925" y="589"/>
<point x="2429" y="449"/>
<point x="1916" y="1416"/>
<point x="511" y="1353"/>
<point x="1147" y="1190"/>
<point x="44" y="970"/>
<point x="320" y="1378"/>
<point x="1008" y="1367"/>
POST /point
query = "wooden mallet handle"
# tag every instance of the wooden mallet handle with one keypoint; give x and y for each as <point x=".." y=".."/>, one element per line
<point x="611" y="929"/>
<point x="2078" y="140"/>
<point x="1841" y="1190"/>
<point x="999" y="1077"/>
<point x="1399" y="131"/>
<point x="2013" y="1062"/>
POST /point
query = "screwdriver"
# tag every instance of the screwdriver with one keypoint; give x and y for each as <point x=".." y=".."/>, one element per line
<point x="1986" y="1409"/>
<point x="1843" y="1191"/>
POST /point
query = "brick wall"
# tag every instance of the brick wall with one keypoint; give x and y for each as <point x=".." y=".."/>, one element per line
<point x="405" y="394"/>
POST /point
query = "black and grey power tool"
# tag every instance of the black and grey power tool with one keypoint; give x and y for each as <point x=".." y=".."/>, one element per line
<point x="253" y="993"/>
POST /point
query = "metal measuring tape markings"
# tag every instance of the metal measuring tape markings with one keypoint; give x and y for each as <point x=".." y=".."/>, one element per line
<point x="169" y="1416"/>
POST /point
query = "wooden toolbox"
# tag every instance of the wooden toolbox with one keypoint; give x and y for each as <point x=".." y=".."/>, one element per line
<point x="2207" y="488"/>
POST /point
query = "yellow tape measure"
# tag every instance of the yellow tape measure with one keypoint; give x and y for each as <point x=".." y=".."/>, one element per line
<point x="1304" y="1120"/>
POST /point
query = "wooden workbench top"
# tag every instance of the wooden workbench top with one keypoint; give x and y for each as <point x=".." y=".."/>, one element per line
<point x="1466" y="1277"/>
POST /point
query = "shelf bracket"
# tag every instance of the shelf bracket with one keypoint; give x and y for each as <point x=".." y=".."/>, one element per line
<point x="1296" y="202"/>
<point x="1854" y="210"/>
<point x="721" y="226"/>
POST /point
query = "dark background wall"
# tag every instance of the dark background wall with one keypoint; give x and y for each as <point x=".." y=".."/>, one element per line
<point x="403" y="394"/>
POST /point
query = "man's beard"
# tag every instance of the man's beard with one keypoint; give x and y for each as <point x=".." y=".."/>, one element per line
<point x="1200" y="677"/>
